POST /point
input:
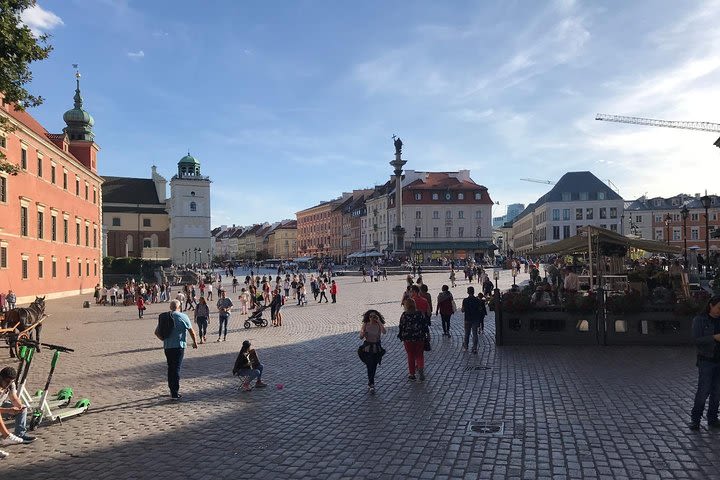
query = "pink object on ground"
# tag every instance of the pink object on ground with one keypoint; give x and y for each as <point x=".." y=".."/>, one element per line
<point x="279" y="386"/>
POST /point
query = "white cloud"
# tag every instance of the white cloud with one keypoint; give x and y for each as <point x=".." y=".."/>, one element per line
<point x="138" y="54"/>
<point x="40" y="21"/>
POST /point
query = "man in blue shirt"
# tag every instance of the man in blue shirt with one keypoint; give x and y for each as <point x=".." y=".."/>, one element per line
<point x="174" y="346"/>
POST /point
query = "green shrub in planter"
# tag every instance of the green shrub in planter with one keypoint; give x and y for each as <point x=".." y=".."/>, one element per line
<point x="515" y="302"/>
<point x="631" y="302"/>
<point x="689" y="307"/>
<point x="580" y="303"/>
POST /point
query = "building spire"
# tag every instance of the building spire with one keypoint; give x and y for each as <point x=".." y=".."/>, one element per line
<point x="77" y="97"/>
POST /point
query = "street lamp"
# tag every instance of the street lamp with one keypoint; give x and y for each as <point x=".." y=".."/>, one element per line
<point x="496" y="277"/>
<point x="478" y="233"/>
<point x="622" y="224"/>
<point x="684" y="214"/>
<point x="514" y="274"/>
<point x="706" y="201"/>
<point x="667" y="227"/>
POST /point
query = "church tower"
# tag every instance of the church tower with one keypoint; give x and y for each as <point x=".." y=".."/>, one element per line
<point x="189" y="208"/>
<point x="79" y="131"/>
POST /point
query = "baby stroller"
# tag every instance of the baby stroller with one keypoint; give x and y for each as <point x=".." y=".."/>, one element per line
<point x="257" y="318"/>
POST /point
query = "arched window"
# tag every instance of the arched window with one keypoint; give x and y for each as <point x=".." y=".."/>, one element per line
<point x="147" y="243"/>
<point x="183" y="170"/>
<point x="193" y="207"/>
<point x="154" y="240"/>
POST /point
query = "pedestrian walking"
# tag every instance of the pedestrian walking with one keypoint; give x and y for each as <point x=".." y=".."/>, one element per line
<point x="244" y="301"/>
<point x="706" y="331"/>
<point x="174" y="345"/>
<point x="333" y="291"/>
<point x="371" y="351"/>
<point x="322" y="288"/>
<point x="210" y="291"/>
<point x="224" y="306"/>
<point x="202" y="314"/>
<point x="475" y="311"/>
<point x="413" y="331"/>
<point x="275" y="306"/>
<point x="452" y="278"/>
<point x="446" y="308"/>
<point x="140" y="302"/>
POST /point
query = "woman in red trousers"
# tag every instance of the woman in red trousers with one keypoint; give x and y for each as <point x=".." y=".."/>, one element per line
<point x="413" y="330"/>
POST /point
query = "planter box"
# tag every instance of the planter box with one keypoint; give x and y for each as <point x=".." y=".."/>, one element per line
<point x="549" y="327"/>
<point x="659" y="327"/>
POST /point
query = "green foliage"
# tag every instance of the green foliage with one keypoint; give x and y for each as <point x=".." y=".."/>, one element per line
<point x="631" y="302"/>
<point x="107" y="263"/>
<point x="515" y="302"/>
<point x="18" y="48"/>
<point x="124" y="265"/>
<point x="690" y="307"/>
<point x="578" y="303"/>
<point x="716" y="282"/>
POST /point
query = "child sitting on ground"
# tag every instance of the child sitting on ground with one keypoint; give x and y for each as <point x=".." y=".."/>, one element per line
<point x="248" y="367"/>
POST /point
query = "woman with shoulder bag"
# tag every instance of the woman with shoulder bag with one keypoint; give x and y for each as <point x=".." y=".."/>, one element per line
<point x="202" y="313"/>
<point x="371" y="351"/>
<point x="446" y="308"/>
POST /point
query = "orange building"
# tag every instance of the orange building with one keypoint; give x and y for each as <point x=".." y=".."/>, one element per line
<point x="50" y="235"/>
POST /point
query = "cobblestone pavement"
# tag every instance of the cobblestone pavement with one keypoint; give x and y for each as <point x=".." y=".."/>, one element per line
<point x="565" y="412"/>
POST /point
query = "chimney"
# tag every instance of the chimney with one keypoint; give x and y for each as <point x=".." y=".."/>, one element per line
<point x="697" y="195"/>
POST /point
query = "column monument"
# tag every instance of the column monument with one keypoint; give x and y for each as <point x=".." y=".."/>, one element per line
<point x="398" y="231"/>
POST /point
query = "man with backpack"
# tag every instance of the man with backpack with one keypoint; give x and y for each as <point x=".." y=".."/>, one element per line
<point x="172" y="329"/>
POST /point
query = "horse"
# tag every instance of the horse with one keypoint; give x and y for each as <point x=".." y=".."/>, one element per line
<point x="22" y="320"/>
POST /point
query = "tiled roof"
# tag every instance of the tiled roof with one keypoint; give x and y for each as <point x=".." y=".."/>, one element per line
<point x="435" y="180"/>
<point x="129" y="190"/>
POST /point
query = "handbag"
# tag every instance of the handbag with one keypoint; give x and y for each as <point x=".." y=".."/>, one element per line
<point x="427" y="347"/>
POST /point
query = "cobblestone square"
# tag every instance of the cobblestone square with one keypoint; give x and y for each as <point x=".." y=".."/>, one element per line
<point x="528" y="412"/>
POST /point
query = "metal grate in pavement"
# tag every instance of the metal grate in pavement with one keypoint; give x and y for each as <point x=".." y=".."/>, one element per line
<point x="485" y="428"/>
<point x="475" y="368"/>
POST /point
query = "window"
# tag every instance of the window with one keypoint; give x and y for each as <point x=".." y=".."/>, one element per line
<point x="418" y="214"/>
<point x="3" y="141"/>
<point x="53" y="268"/>
<point x="24" y="221"/>
<point x="601" y="196"/>
<point x="94" y="236"/>
<point x="556" y="232"/>
<point x="461" y="196"/>
<point x="461" y="214"/>
<point x="67" y="268"/>
<point x="566" y="231"/>
<point x="116" y="221"/>
<point x="613" y="212"/>
<point x="436" y="214"/>
<point x="583" y="195"/>
<point x="87" y="236"/>
<point x="578" y="214"/>
<point x="658" y="234"/>
<point x="435" y="196"/>
<point x="566" y="214"/>
<point x="418" y="232"/>
<point x="40" y="172"/>
<point x="65" y="230"/>
<point x="77" y="186"/>
<point x="603" y="212"/>
<point x="87" y="192"/>
<point x="40" y="225"/>
<point x="602" y="225"/>
<point x="478" y="196"/>
<point x="448" y="232"/>
<point x="193" y="207"/>
<point x="566" y="196"/>
<point x="613" y="227"/>
<point x="461" y="232"/>
<point x="24" y="267"/>
<point x="23" y="162"/>
<point x="41" y="268"/>
<point x="79" y="268"/>
<point x="418" y="196"/>
<point x="52" y="173"/>
<point x="87" y="268"/>
<point x="147" y="243"/>
<point x="3" y="189"/>
<point x="478" y="214"/>
<point x="638" y="218"/>
<point x="448" y="214"/>
<point x="436" y="232"/>
<point x="94" y="268"/>
<point x="694" y="233"/>
<point x="676" y="234"/>
<point x="146" y="222"/>
<point x="53" y="228"/>
<point x="65" y="180"/>
<point x="3" y="256"/>
<point x="94" y="195"/>
<point x="694" y="217"/>
<point x="77" y="233"/>
<point x="589" y="213"/>
<point x="556" y="214"/>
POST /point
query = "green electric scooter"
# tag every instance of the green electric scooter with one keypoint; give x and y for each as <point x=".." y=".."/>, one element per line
<point x="26" y="353"/>
<point x="44" y="411"/>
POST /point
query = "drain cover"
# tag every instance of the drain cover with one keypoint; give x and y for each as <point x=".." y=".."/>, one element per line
<point x="485" y="428"/>
<point x="475" y="368"/>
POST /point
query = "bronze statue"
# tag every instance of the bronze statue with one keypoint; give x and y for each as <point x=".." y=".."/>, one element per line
<point x="398" y="145"/>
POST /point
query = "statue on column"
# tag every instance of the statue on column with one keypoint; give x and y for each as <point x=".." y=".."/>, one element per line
<point x="398" y="144"/>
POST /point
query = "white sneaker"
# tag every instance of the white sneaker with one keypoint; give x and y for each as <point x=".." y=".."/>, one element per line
<point x="3" y="454"/>
<point x="11" y="440"/>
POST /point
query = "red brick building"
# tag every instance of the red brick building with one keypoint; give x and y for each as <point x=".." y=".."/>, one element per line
<point x="50" y="235"/>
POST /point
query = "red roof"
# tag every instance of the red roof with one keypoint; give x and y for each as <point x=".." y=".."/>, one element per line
<point x="435" y="180"/>
<point x="26" y="119"/>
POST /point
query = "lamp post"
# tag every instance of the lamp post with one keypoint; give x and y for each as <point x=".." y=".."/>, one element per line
<point x="514" y="274"/>
<point x="478" y="233"/>
<point x="667" y="227"/>
<point x="684" y="214"/>
<point x="496" y="277"/>
<point x="706" y="200"/>
<point x="622" y="224"/>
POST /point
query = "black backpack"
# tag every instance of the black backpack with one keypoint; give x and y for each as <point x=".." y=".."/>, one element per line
<point x="166" y="324"/>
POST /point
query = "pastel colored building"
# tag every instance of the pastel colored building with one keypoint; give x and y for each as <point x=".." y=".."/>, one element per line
<point x="51" y="229"/>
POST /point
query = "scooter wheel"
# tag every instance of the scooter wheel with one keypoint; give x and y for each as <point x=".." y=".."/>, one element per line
<point x="246" y="324"/>
<point x="264" y="323"/>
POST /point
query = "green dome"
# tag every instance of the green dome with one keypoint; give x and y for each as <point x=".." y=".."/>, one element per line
<point x="189" y="159"/>
<point x="78" y="115"/>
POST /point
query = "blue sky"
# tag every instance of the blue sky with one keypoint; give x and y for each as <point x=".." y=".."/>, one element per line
<point x="290" y="103"/>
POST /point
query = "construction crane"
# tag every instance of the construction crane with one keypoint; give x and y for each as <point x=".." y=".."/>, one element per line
<point x="702" y="126"/>
<point x="534" y="180"/>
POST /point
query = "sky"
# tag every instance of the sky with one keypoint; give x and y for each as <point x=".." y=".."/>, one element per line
<point x="287" y="104"/>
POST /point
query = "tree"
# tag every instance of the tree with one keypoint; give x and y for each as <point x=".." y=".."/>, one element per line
<point x="18" y="48"/>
